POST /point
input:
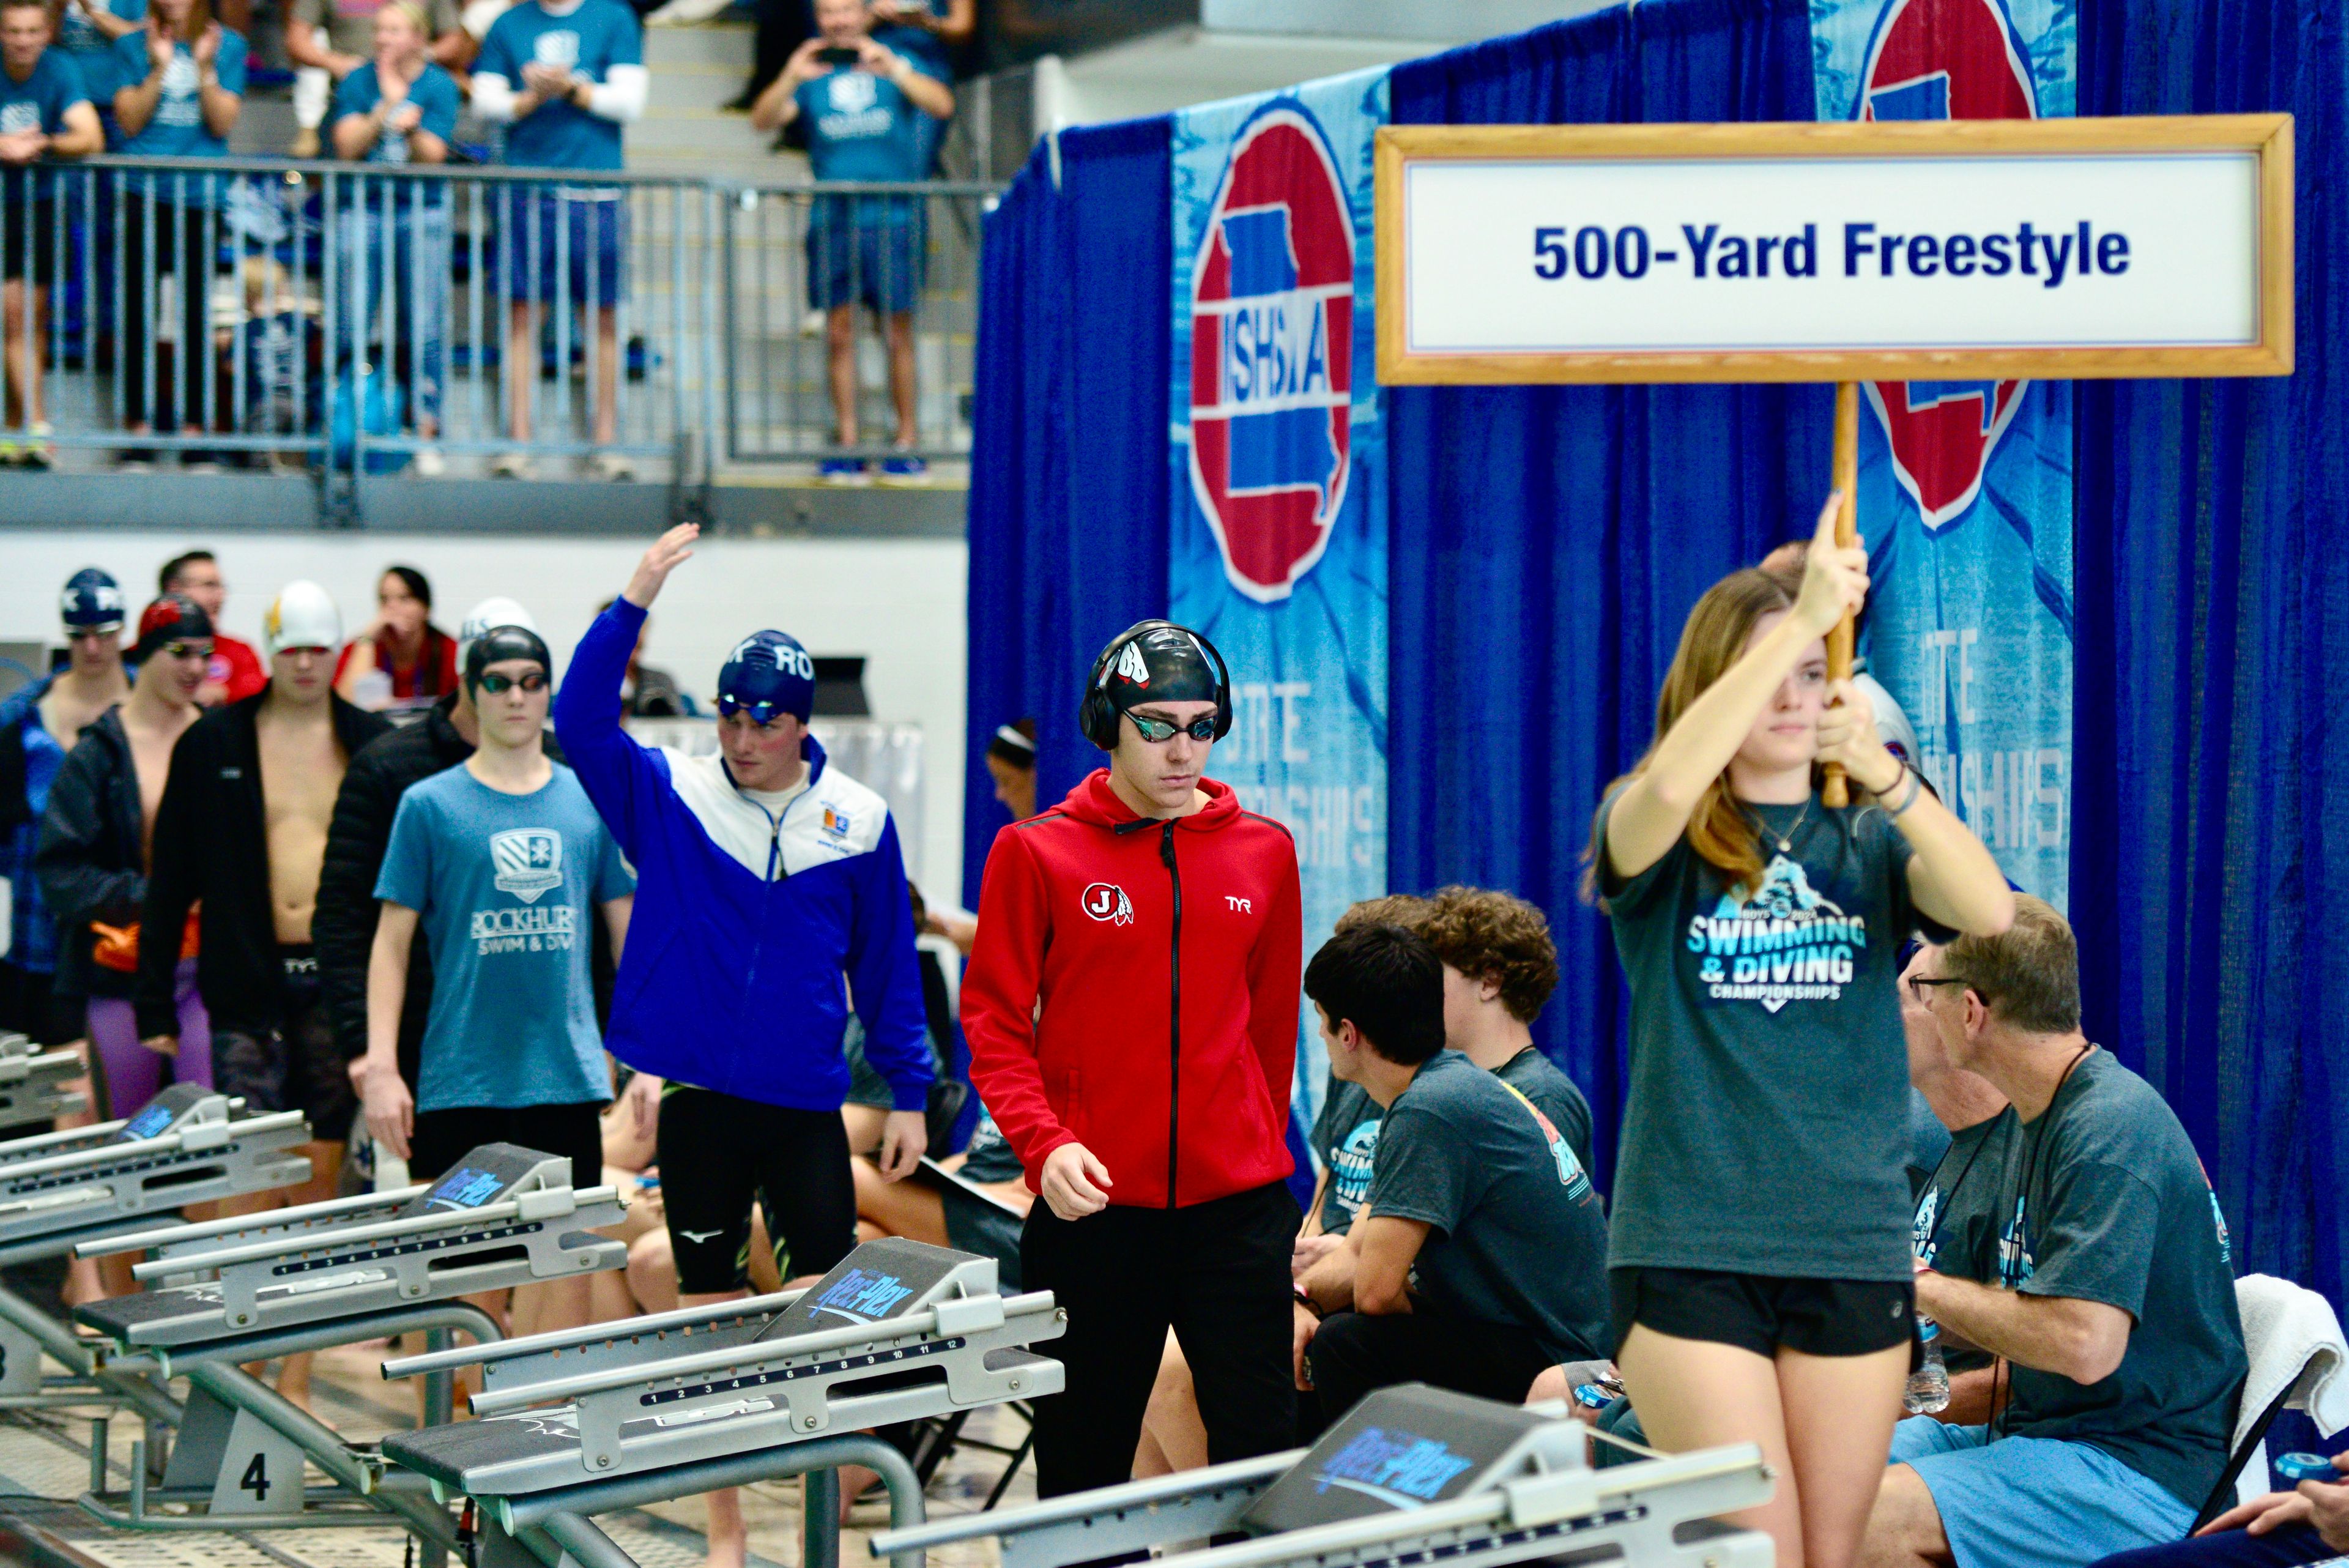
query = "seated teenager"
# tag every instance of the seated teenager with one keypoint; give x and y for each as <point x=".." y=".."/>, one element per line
<point x="1479" y="1256"/>
<point x="927" y="1206"/>
<point x="2307" y="1525"/>
<point x="2115" y="1302"/>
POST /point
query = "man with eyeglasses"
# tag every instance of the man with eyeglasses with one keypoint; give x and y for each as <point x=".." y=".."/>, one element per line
<point x="39" y="723"/>
<point x="502" y="864"/>
<point x="1132" y="1010"/>
<point x="777" y="890"/>
<point x="241" y="836"/>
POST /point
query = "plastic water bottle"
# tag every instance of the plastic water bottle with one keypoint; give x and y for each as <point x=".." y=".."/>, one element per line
<point x="1929" y="1386"/>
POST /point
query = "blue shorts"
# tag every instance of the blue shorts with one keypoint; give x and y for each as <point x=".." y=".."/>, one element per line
<point x="878" y="264"/>
<point x="2033" y="1502"/>
<point x="567" y="249"/>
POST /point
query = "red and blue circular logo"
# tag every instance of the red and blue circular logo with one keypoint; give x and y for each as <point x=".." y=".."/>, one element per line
<point x="1272" y="374"/>
<point x="1945" y="59"/>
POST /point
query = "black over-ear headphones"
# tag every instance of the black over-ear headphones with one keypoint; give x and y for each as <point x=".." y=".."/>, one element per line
<point x="1097" y="718"/>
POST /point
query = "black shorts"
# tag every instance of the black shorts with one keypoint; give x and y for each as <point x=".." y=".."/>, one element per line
<point x="1762" y="1313"/>
<point x="444" y="1138"/>
<point x="294" y="1064"/>
<point x="717" y="1152"/>
<point x="28" y="240"/>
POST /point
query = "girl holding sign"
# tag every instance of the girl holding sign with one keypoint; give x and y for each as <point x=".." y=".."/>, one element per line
<point x="1759" y="1259"/>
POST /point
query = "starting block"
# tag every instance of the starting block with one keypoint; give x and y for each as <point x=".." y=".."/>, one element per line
<point x="33" y="1081"/>
<point x="291" y="1280"/>
<point x="60" y="1189"/>
<point x="673" y="1405"/>
<point x="1411" y="1475"/>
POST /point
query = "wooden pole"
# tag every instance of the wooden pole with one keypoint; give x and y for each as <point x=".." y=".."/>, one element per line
<point x="1833" y="791"/>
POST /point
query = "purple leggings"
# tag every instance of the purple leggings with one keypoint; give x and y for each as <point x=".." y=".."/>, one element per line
<point x="132" y="1073"/>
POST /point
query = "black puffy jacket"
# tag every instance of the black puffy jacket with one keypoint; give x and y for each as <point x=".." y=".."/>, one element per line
<point x="88" y="855"/>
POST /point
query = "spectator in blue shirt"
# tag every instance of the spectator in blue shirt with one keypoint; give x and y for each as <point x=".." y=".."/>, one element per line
<point x="398" y="109"/>
<point x="87" y="30"/>
<point x="44" y="114"/>
<point x="182" y="78"/>
<point x="865" y="107"/>
<point x="563" y="76"/>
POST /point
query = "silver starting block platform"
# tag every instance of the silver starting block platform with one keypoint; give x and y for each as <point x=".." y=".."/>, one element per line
<point x="1412" y="1475"/>
<point x="277" y="1284"/>
<point x="59" y="1191"/>
<point x="673" y="1405"/>
<point x="33" y="1081"/>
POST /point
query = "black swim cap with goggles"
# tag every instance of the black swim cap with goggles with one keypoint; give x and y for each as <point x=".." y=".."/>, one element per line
<point x="1155" y="661"/>
<point x="497" y="646"/>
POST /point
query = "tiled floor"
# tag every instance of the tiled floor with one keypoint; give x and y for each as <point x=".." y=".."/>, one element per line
<point x="44" y="1464"/>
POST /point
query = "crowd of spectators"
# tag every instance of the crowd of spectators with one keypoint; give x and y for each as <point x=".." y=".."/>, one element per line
<point x="547" y="85"/>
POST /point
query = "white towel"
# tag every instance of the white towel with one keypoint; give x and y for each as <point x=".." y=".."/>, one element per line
<point x="2294" y="1342"/>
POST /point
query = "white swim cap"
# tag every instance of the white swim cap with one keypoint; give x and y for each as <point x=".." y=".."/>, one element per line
<point x="487" y="616"/>
<point x="303" y="616"/>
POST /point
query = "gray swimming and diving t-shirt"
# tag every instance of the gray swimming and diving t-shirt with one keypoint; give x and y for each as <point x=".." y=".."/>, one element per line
<point x="1346" y="1142"/>
<point x="1929" y="1140"/>
<point x="1767" y="1125"/>
<point x="1518" y="1236"/>
<point x="2109" y="1203"/>
<point x="1955" y="1229"/>
<point x="1537" y="1078"/>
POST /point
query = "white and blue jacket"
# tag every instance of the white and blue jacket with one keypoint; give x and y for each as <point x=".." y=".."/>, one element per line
<point x="745" y="921"/>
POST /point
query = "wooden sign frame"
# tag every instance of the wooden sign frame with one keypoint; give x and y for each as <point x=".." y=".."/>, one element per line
<point x="2270" y="136"/>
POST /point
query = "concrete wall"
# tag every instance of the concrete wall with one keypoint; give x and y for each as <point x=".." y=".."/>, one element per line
<point x="899" y="603"/>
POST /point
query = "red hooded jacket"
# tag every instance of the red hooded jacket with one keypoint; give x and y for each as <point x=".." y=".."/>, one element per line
<point x="1134" y="989"/>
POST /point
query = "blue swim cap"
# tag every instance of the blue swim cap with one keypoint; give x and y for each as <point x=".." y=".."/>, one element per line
<point x="768" y="673"/>
<point x="92" y="601"/>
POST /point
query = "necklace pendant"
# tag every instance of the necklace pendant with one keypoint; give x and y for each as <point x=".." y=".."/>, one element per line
<point x="1785" y="847"/>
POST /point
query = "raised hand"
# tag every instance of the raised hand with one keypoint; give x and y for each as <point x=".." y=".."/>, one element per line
<point x="206" y="48"/>
<point x="1834" y="578"/>
<point x="1847" y="737"/>
<point x="669" y="551"/>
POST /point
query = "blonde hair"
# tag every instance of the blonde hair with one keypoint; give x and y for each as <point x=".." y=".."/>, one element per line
<point x="1714" y="638"/>
<point x="414" y="14"/>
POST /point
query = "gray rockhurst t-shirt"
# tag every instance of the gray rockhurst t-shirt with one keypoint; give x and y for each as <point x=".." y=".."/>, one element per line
<point x="1537" y="1078"/>
<point x="1346" y="1140"/>
<point x="1518" y="1236"/>
<point x="1768" y="1117"/>
<point x="2109" y="1203"/>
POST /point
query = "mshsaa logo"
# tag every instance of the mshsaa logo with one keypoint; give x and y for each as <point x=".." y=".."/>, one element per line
<point x="1945" y="59"/>
<point x="1272" y="332"/>
<point x="528" y="861"/>
<point x="1107" y="901"/>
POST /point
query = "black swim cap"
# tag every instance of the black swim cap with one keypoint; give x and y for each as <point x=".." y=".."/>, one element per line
<point x="1165" y="664"/>
<point x="499" y="644"/>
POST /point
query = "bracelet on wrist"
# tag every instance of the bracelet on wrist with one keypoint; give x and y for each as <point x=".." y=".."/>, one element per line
<point x="1303" y="1298"/>
<point x="1908" y="798"/>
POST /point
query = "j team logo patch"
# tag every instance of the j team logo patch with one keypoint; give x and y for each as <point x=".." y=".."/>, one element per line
<point x="1106" y="901"/>
<point x="528" y="861"/>
<point x="1272" y="322"/>
<point x="1945" y="59"/>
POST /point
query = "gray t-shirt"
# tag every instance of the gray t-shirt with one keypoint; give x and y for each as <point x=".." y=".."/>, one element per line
<point x="1955" y="1230"/>
<point x="1768" y="1117"/>
<point x="1929" y="1140"/>
<point x="1518" y="1237"/>
<point x="1536" y="1077"/>
<point x="2109" y="1203"/>
<point x="1346" y="1140"/>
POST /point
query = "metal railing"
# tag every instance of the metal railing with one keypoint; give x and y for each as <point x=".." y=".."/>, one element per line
<point x="366" y="319"/>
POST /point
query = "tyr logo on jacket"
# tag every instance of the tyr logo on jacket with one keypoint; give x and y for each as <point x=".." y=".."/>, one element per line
<point x="1134" y="989"/>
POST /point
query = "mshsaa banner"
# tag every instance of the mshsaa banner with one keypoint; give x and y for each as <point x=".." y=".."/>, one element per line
<point x="1279" y="540"/>
<point x="1965" y="487"/>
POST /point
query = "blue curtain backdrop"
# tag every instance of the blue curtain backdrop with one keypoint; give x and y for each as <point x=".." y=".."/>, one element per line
<point x="1549" y="541"/>
<point x="1068" y="496"/>
<point x="2211" y="796"/>
<point x="1548" y="544"/>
